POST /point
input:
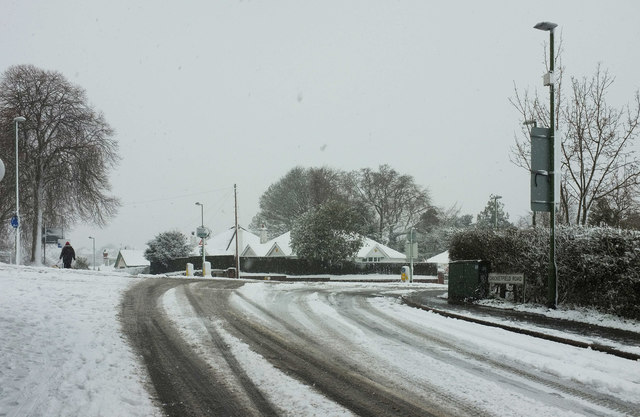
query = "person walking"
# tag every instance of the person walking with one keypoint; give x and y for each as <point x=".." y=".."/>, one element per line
<point x="67" y="255"/>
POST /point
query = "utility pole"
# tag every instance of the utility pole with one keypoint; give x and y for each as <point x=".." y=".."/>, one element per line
<point x="235" y="198"/>
<point x="495" y="208"/>
<point x="552" y="281"/>
<point x="412" y="233"/>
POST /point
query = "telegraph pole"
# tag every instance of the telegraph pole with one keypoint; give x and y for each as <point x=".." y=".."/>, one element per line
<point x="235" y="198"/>
<point x="552" y="281"/>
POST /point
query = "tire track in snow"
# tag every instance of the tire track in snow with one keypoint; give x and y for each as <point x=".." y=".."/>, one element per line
<point x="513" y="375"/>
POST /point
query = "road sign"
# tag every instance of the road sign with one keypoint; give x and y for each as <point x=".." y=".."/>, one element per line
<point x="540" y="169"/>
<point x="14" y="222"/>
<point x="506" y="279"/>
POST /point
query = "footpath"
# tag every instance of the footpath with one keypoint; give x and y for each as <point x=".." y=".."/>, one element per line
<point x="622" y="343"/>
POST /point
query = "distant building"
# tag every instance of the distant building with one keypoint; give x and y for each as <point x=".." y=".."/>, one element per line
<point x="370" y="252"/>
<point x="225" y="243"/>
<point x="132" y="260"/>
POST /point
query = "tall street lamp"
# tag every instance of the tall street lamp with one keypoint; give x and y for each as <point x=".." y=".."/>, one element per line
<point x="201" y="234"/>
<point x="548" y="80"/>
<point x="495" y="208"/>
<point x="94" y="252"/>
<point x="17" y="120"/>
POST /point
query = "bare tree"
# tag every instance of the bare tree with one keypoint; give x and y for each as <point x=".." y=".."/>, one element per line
<point x="397" y="201"/>
<point x="66" y="151"/>
<point x="300" y="190"/>
<point x="596" y="148"/>
<point x="596" y="159"/>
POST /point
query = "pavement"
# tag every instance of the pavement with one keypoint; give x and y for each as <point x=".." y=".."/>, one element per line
<point x="584" y="335"/>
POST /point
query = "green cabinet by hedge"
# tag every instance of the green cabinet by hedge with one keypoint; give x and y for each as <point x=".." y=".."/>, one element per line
<point x="468" y="280"/>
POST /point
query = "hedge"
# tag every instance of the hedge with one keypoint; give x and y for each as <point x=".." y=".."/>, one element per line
<point x="597" y="267"/>
<point x="289" y="266"/>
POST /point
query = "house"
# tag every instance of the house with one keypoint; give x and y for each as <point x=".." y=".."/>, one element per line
<point x="372" y="251"/>
<point x="277" y="247"/>
<point x="440" y="259"/>
<point x="280" y="246"/>
<point x="225" y="243"/>
<point x="132" y="260"/>
<point x="442" y="262"/>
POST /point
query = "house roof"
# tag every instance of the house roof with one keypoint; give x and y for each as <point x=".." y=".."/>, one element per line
<point x="224" y="243"/>
<point x="441" y="258"/>
<point x="282" y="243"/>
<point x="281" y="246"/>
<point x="133" y="257"/>
<point x="371" y="248"/>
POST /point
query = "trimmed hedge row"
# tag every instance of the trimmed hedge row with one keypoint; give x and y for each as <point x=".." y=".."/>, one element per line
<point x="179" y="264"/>
<point x="597" y="267"/>
<point x="290" y="266"/>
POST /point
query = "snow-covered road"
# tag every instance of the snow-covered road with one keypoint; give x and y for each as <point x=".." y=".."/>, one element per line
<point x="283" y="349"/>
<point x="429" y="364"/>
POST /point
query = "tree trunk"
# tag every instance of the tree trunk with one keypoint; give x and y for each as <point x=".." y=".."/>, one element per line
<point x="36" y="235"/>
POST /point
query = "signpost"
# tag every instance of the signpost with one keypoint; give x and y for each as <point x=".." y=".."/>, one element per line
<point x="506" y="279"/>
<point x="509" y="279"/>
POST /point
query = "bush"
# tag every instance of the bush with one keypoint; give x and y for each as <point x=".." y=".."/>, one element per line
<point x="597" y="267"/>
<point x="167" y="246"/>
<point x="81" y="263"/>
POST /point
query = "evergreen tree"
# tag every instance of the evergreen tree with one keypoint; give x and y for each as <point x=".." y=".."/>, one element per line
<point x="329" y="233"/>
<point x="166" y="246"/>
<point x="487" y="217"/>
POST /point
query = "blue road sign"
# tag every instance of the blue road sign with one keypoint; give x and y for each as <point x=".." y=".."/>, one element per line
<point x="14" y="222"/>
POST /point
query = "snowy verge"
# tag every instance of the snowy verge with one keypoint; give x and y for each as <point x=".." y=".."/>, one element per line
<point x="579" y="314"/>
<point x="613" y="375"/>
<point x="61" y="350"/>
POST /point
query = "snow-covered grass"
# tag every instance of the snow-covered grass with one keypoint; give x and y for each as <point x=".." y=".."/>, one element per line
<point x="61" y="348"/>
<point x="579" y="314"/>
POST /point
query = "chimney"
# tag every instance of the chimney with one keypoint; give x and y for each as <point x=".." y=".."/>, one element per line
<point x="263" y="234"/>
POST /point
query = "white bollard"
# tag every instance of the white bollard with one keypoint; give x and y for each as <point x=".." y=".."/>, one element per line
<point x="189" y="269"/>
<point x="207" y="269"/>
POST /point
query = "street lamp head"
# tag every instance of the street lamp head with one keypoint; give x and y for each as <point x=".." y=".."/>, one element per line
<point x="199" y="204"/>
<point x="497" y="197"/>
<point x="533" y="122"/>
<point x="19" y="119"/>
<point x="546" y="26"/>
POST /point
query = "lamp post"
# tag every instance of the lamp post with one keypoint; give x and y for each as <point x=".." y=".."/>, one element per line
<point x="552" y="281"/>
<point x="411" y="237"/>
<point x="94" y="252"/>
<point x="495" y="208"/>
<point x="202" y="237"/>
<point x="17" y="120"/>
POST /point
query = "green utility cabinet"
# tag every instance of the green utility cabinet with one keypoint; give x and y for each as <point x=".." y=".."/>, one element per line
<point x="468" y="280"/>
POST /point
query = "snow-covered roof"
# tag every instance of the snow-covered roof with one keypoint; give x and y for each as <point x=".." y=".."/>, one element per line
<point x="133" y="257"/>
<point x="281" y="246"/>
<point x="224" y="243"/>
<point x="441" y="258"/>
<point x="278" y="246"/>
<point x="373" y="249"/>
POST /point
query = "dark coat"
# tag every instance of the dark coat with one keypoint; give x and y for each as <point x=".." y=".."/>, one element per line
<point x="67" y="254"/>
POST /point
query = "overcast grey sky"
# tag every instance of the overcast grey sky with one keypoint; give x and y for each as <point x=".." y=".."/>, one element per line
<point x="205" y="94"/>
